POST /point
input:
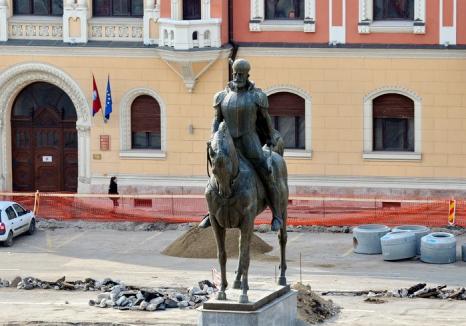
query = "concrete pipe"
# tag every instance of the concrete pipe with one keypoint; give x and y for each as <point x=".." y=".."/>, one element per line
<point x="438" y="248"/>
<point x="418" y="230"/>
<point x="366" y="238"/>
<point x="398" y="245"/>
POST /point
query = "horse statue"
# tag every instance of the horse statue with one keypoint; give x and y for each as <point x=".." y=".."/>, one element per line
<point x="235" y="196"/>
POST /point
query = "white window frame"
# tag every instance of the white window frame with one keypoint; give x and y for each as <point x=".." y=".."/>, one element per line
<point x="258" y="23"/>
<point x="126" y="152"/>
<point x="305" y="153"/>
<point x="177" y="9"/>
<point x="368" y="25"/>
<point x="369" y="153"/>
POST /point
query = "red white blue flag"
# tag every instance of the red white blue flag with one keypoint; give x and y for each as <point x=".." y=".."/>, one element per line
<point x="96" y="105"/>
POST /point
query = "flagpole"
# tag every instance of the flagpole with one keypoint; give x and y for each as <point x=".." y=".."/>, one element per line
<point x="105" y="106"/>
<point x="103" y="109"/>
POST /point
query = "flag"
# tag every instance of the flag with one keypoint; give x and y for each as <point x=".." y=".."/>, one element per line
<point x="108" y="101"/>
<point x="96" y="105"/>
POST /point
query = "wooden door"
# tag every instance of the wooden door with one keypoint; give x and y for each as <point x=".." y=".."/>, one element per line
<point x="44" y="140"/>
<point x="70" y="159"/>
<point x="48" y="138"/>
<point x="23" y="156"/>
<point x="191" y="9"/>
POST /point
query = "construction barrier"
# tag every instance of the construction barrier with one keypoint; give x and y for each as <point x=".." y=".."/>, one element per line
<point x="302" y="210"/>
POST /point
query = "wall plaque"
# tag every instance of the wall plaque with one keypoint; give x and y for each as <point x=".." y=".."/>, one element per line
<point x="104" y="142"/>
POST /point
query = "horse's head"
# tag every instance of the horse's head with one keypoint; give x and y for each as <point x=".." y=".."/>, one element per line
<point x="223" y="156"/>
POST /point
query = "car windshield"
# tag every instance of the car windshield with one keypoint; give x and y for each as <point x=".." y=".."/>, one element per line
<point x="0" y="216"/>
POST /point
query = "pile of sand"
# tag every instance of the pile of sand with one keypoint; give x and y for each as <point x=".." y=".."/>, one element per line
<point x="312" y="308"/>
<point x="200" y="243"/>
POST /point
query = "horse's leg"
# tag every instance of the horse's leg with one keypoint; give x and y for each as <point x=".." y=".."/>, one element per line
<point x="245" y="241"/>
<point x="237" y="283"/>
<point x="282" y="238"/>
<point x="222" y="256"/>
<point x="239" y="270"/>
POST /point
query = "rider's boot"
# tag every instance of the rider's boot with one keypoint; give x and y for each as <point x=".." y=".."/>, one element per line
<point x="205" y="223"/>
<point x="272" y="194"/>
<point x="277" y="219"/>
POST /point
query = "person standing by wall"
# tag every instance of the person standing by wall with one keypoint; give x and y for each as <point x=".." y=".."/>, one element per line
<point x="113" y="190"/>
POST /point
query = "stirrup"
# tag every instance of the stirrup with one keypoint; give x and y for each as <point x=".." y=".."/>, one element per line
<point x="277" y="223"/>
<point x="205" y="223"/>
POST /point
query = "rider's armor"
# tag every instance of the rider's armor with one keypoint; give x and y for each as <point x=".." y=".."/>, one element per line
<point x="239" y="109"/>
<point x="245" y="113"/>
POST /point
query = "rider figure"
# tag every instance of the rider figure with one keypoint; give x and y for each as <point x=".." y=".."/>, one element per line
<point x="244" y="108"/>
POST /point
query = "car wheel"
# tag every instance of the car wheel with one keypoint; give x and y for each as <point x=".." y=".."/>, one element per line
<point x="9" y="241"/>
<point x="32" y="227"/>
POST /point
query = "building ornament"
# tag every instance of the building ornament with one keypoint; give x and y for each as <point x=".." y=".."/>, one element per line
<point x="182" y="65"/>
<point x="151" y="17"/>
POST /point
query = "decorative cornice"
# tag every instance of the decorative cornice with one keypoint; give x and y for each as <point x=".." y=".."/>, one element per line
<point x="288" y="88"/>
<point x="392" y="89"/>
<point x="265" y="51"/>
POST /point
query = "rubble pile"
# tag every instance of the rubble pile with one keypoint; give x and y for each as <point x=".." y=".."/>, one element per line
<point x="200" y="243"/>
<point x="312" y="308"/>
<point x="89" y="284"/>
<point x="420" y="290"/>
<point x="121" y="297"/>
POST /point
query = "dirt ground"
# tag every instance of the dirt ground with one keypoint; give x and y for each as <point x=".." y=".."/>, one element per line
<point x="327" y="264"/>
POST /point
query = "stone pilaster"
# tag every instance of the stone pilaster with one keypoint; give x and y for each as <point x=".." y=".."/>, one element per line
<point x="75" y="21"/>
<point x="3" y="20"/>
<point x="151" y="18"/>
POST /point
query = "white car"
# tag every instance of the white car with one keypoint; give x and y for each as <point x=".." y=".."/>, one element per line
<point x="14" y="220"/>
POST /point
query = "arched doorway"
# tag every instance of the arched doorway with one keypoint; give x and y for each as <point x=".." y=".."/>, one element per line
<point x="44" y="140"/>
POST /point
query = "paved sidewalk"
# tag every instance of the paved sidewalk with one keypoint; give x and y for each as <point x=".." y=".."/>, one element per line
<point x="134" y="257"/>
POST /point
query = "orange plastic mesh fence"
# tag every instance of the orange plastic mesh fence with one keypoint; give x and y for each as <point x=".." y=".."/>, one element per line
<point x="304" y="210"/>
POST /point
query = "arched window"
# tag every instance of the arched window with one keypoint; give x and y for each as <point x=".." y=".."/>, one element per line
<point x="38" y="7"/>
<point x="287" y="111"/>
<point x="125" y="8"/>
<point x="393" y="123"/>
<point x="145" y="123"/>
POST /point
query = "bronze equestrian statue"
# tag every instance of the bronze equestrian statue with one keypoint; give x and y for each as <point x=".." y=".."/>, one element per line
<point x="246" y="177"/>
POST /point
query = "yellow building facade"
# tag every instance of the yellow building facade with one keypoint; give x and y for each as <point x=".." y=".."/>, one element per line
<point x="181" y="63"/>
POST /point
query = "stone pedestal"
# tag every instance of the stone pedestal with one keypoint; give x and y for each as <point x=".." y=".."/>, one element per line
<point x="266" y="307"/>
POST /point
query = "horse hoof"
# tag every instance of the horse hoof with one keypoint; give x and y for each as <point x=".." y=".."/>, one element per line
<point x="243" y="298"/>
<point x="237" y="284"/>
<point x="221" y="296"/>
<point x="282" y="281"/>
